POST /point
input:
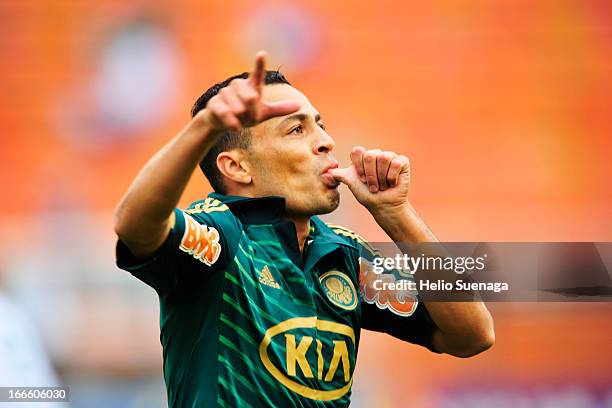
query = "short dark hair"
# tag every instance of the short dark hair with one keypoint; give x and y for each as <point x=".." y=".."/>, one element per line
<point x="230" y="139"/>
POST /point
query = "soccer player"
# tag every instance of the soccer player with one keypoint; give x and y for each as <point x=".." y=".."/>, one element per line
<point x="259" y="298"/>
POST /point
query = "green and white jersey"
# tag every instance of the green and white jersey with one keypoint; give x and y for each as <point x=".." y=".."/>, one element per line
<point x="248" y="320"/>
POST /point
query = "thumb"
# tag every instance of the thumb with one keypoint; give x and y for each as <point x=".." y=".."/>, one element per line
<point x="342" y="175"/>
<point x="271" y="110"/>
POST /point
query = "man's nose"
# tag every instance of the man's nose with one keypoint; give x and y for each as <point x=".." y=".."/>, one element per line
<point x="325" y="144"/>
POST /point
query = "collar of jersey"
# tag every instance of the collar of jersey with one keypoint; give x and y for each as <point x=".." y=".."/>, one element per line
<point x="254" y="210"/>
<point x="325" y="234"/>
<point x="269" y="210"/>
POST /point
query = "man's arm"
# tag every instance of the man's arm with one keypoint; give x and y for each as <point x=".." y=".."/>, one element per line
<point x="380" y="180"/>
<point x="463" y="329"/>
<point x="145" y="214"/>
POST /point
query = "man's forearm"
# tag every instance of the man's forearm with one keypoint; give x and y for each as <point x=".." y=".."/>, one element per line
<point x="464" y="328"/>
<point x="403" y="224"/>
<point x="143" y="215"/>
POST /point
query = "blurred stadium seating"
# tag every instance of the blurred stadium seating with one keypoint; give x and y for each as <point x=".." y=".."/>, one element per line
<point x="503" y="108"/>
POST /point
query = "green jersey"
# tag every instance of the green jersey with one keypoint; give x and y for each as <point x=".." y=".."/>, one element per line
<point x="247" y="319"/>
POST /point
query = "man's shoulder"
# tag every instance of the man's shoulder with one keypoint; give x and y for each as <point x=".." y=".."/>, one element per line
<point x="350" y="236"/>
<point x="344" y="232"/>
<point x="208" y="205"/>
<point x="214" y="213"/>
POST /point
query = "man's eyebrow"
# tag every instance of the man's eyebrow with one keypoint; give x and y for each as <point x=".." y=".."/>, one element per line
<point x="298" y="116"/>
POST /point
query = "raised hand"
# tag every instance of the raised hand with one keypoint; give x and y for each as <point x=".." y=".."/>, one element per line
<point x="240" y="104"/>
<point x="376" y="178"/>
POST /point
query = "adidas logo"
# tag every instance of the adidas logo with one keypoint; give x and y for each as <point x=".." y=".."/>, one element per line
<point x="266" y="278"/>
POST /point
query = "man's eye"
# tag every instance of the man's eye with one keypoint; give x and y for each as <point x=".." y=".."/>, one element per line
<point x="322" y="126"/>
<point x="296" y="130"/>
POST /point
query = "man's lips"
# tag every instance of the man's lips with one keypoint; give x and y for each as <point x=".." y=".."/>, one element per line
<point x="327" y="177"/>
<point x="333" y="165"/>
<point x="329" y="180"/>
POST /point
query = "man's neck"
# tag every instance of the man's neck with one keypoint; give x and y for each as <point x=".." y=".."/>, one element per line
<point x="302" y="228"/>
<point x="302" y="224"/>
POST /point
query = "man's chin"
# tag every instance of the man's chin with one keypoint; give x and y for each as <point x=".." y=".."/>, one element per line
<point x="333" y="201"/>
<point x="319" y="203"/>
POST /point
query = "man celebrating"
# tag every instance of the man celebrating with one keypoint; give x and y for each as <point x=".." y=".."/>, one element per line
<point x="259" y="298"/>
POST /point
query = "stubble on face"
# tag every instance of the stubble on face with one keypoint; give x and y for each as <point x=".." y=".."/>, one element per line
<point x="302" y="197"/>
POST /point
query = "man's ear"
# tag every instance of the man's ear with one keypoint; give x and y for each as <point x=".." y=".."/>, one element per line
<point x="234" y="166"/>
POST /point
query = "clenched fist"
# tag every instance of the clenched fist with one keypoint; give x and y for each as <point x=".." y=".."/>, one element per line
<point x="240" y="103"/>
<point x="378" y="179"/>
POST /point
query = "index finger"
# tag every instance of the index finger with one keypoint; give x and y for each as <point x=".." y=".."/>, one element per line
<point x="257" y="77"/>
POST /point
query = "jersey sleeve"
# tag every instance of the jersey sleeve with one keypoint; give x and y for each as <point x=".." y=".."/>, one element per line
<point x="399" y="313"/>
<point x="199" y="243"/>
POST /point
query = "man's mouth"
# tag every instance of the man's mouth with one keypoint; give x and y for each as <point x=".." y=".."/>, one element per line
<point x="327" y="177"/>
<point x="333" y="165"/>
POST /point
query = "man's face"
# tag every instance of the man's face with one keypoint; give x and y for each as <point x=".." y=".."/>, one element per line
<point x="290" y="156"/>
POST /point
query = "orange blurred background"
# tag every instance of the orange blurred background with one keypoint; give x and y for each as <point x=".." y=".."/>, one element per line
<point x="503" y="108"/>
